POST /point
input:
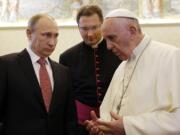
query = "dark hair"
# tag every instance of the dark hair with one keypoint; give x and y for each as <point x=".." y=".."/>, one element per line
<point x="89" y="10"/>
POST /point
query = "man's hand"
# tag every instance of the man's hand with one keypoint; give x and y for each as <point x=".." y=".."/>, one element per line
<point x="100" y="127"/>
<point x="114" y="127"/>
<point x="92" y="126"/>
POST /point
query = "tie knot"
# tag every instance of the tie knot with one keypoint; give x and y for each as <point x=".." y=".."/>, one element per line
<point x="42" y="61"/>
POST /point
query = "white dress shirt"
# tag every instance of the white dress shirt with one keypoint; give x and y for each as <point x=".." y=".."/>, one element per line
<point x="36" y="66"/>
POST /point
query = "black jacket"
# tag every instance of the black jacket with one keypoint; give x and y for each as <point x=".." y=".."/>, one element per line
<point x="22" y="111"/>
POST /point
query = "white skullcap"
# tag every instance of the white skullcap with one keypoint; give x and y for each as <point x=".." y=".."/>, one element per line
<point x="121" y="13"/>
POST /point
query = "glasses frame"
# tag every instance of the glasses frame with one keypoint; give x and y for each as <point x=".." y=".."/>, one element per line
<point x="88" y="28"/>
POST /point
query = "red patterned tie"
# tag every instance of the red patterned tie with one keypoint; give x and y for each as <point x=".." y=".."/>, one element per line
<point x="45" y="83"/>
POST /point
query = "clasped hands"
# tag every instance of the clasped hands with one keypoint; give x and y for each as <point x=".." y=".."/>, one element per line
<point x="96" y="126"/>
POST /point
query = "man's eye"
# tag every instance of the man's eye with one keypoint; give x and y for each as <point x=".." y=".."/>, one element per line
<point x="56" y="35"/>
<point x="111" y="38"/>
<point x="96" y="27"/>
<point x="47" y="34"/>
<point x="85" y="28"/>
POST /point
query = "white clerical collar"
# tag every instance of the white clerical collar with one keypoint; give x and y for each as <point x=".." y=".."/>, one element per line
<point x="96" y="45"/>
<point x="141" y="46"/>
<point x="34" y="57"/>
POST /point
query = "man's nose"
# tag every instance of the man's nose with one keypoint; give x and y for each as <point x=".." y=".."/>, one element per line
<point x="90" y="32"/>
<point x="109" y="46"/>
<point x="52" y="41"/>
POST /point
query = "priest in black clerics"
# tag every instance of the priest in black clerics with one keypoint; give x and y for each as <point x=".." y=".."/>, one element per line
<point x="91" y="64"/>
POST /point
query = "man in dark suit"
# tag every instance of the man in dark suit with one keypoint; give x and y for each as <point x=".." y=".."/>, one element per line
<point x="25" y="106"/>
<point x="91" y="64"/>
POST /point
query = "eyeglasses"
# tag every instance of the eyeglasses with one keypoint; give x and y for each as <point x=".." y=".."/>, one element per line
<point x="87" y="28"/>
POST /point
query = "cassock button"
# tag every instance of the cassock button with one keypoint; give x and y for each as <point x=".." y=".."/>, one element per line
<point x="98" y="81"/>
<point x="97" y="62"/>
<point x="97" y="75"/>
<point x="99" y="94"/>
<point x="99" y="88"/>
<point x="97" y="69"/>
<point x="99" y="102"/>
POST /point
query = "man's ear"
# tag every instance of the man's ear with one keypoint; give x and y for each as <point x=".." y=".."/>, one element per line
<point x="133" y="31"/>
<point x="29" y="33"/>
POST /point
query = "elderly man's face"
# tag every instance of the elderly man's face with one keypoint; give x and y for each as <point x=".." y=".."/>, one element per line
<point x="118" y="37"/>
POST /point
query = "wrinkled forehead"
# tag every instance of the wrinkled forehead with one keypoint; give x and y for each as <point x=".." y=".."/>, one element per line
<point x="109" y="23"/>
<point x="107" y="27"/>
<point x="113" y="26"/>
<point x="46" y="23"/>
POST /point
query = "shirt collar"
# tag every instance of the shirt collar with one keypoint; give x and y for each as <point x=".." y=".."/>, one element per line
<point x="34" y="57"/>
<point x="96" y="45"/>
<point x="140" y="47"/>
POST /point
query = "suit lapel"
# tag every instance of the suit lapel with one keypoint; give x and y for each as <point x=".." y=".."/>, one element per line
<point x="27" y="67"/>
<point x="58" y="87"/>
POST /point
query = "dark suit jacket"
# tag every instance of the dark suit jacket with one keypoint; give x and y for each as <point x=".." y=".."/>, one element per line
<point x="22" y="111"/>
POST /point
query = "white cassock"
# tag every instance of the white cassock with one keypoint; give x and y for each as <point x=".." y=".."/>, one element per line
<point x="145" y="90"/>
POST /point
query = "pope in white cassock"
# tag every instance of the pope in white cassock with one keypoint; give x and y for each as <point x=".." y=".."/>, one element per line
<point x="144" y="95"/>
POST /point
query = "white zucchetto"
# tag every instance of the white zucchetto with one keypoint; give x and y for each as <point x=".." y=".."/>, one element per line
<point x="121" y="13"/>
